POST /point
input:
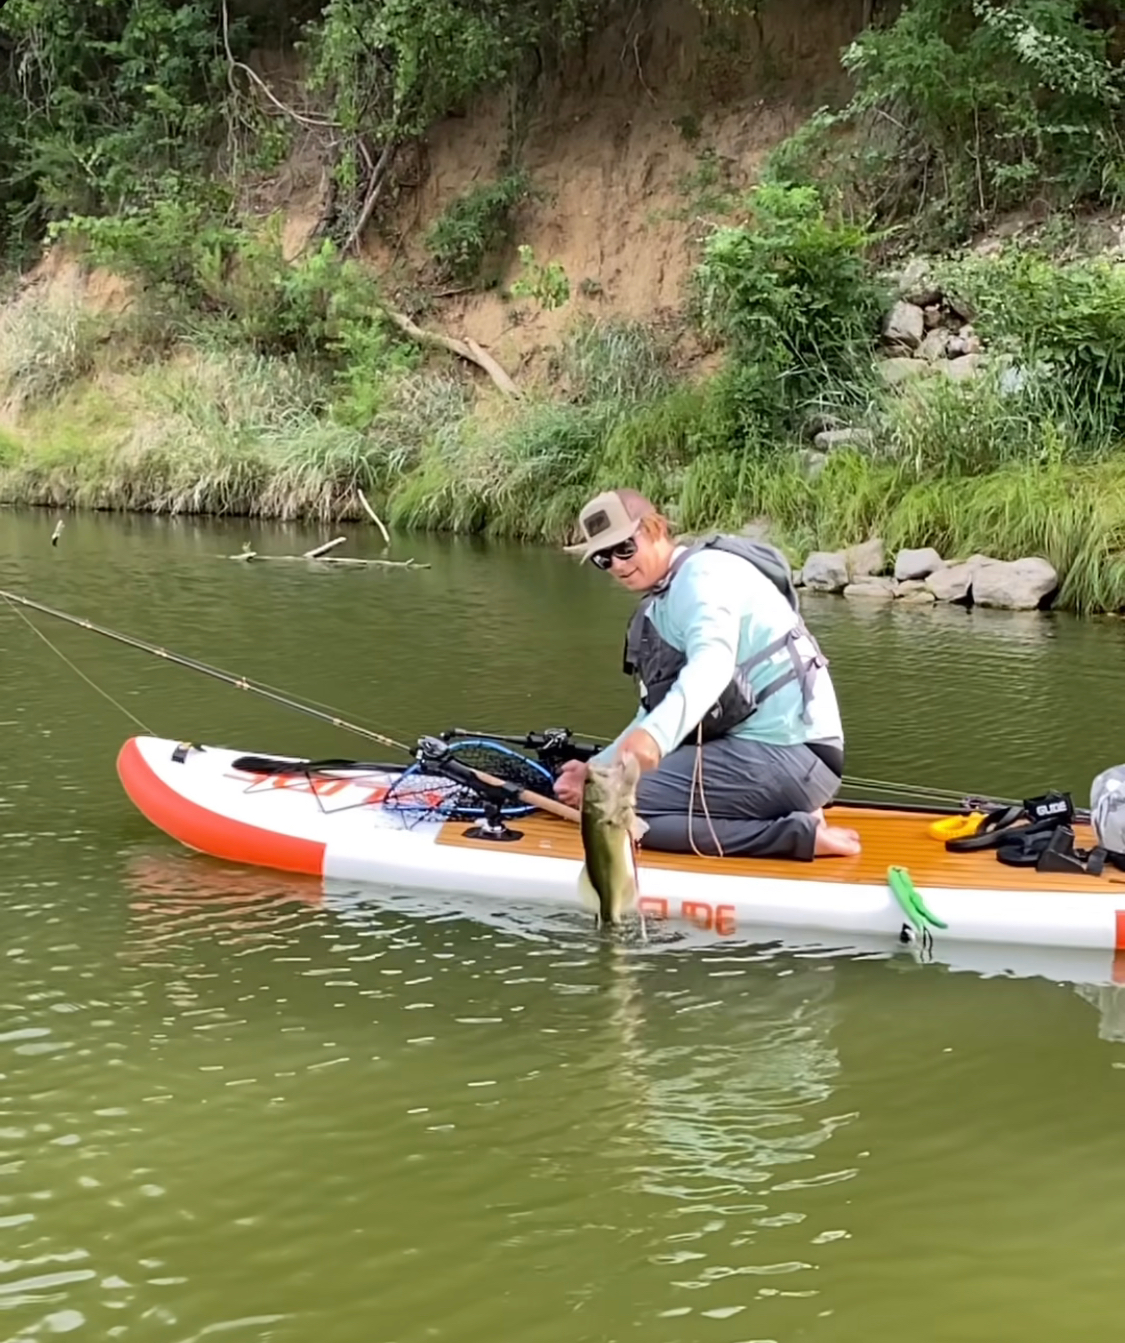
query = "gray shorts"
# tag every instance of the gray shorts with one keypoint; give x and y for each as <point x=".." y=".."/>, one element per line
<point x="759" y="798"/>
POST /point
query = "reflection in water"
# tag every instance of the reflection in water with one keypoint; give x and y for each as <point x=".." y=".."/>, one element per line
<point x="243" y="1104"/>
<point x="1109" y="999"/>
<point x="736" y="1118"/>
<point x="175" y="897"/>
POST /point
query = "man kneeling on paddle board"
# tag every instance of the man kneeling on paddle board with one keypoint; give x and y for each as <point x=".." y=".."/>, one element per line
<point x="738" y="731"/>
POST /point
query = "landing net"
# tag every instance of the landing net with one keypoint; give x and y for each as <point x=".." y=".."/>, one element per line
<point x="419" y="794"/>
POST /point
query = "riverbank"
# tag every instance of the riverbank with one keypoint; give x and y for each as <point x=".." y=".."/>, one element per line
<point x="729" y="339"/>
<point x="225" y="433"/>
<point x="220" y="437"/>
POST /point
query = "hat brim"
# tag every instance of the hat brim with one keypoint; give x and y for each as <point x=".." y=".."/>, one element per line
<point x="605" y="541"/>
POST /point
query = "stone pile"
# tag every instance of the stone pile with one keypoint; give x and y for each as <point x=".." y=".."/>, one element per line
<point x="922" y="577"/>
<point x="928" y="332"/>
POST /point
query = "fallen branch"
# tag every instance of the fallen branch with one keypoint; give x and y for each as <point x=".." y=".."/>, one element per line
<point x="329" y="559"/>
<point x="317" y="551"/>
<point x="375" y="186"/>
<point x="373" y="516"/>
<point x="467" y="349"/>
<point x="378" y="564"/>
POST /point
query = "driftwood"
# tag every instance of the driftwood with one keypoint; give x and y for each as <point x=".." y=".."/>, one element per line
<point x="331" y="559"/>
<point x="318" y="551"/>
<point x="467" y="349"/>
<point x="319" y="554"/>
<point x="373" y="516"/>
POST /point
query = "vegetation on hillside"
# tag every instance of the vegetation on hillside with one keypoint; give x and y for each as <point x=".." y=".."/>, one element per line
<point x="132" y="125"/>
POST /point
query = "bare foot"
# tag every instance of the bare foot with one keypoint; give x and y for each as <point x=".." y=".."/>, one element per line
<point x="835" y="841"/>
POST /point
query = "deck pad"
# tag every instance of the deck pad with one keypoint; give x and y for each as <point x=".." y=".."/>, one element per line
<point x="889" y="838"/>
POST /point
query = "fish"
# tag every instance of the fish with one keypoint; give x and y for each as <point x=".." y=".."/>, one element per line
<point x="611" y="827"/>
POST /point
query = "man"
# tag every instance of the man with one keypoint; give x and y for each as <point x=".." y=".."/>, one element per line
<point x="738" y="733"/>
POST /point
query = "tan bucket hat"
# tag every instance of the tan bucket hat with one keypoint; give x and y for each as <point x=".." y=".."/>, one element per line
<point x="608" y="519"/>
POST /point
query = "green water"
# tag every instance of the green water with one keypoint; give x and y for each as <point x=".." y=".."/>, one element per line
<point x="229" y="1110"/>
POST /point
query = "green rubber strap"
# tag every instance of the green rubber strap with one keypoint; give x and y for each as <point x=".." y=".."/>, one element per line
<point x="914" y="907"/>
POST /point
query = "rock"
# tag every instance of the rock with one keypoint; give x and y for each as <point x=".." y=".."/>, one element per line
<point x="901" y="369"/>
<point x="909" y="585"/>
<point x="921" y="597"/>
<point x="905" y="325"/>
<point x="932" y="314"/>
<point x="955" y="347"/>
<point x="917" y="563"/>
<point x="826" y="571"/>
<point x="952" y="583"/>
<point x="959" y="307"/>
<point x="817" y="421"/>
<point x="964" y="366"/>
<point x="810" y="463"/>
<point x="935" y="344"/>
<point x="757" y="529"/>
<point x="865" y="559"/>
<point x="1016" y="585"/>
<point x="915" y="284"/>
<point x="877" y="589"/>
<point x="828" y="439"/>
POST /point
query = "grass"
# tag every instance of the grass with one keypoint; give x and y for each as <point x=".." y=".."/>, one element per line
<point x="968" y="468"/>
<point x="45" y="348"/>
<point x="221" y="431"/>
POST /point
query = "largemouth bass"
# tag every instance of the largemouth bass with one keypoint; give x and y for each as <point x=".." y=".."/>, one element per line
<point x="610" y="828"/>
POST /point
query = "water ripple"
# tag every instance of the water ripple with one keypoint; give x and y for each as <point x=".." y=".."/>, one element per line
<point x="238" y="1105"/>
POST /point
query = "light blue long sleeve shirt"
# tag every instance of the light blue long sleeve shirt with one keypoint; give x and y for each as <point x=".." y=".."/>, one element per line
<point x="718" y="611"/>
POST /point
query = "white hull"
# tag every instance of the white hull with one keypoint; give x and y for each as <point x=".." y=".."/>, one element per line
<point x="342" y="833"/>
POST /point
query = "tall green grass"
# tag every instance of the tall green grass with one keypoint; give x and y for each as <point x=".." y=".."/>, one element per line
<point x="45" y="348"/>
<point x="223" y="433"/>
<point x="966" y="467"/>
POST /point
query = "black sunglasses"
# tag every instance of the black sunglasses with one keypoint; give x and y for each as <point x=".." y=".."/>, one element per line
<point x="624" y="550"/>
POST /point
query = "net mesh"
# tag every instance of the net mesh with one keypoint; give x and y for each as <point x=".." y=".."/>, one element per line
<point x="421" y="794"/>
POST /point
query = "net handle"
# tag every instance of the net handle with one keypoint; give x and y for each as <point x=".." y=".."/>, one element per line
<point x="434" y="753"/>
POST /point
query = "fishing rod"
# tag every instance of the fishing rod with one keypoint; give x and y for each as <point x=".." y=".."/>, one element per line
<point x="433" y="750"/>
<point x="935" y="796"/>
<point x="239" y="682"/>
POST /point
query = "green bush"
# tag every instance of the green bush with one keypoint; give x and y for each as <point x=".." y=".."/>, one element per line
<point x="476" y="226"/>
<point x="964" y="108"/>
<point x="109" y="94"/>
<point x="1062" y="325"/>
<point x="793" y="294"/>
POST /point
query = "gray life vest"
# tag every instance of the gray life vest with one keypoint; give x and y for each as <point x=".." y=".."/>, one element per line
<point x="654" y="664"/>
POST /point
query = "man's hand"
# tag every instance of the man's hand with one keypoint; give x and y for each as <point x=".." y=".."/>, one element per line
<point x="571" y="782"/>
<point x="638" y="743"/>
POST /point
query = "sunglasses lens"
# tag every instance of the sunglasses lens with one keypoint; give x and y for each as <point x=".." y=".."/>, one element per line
<point x="602" y="559"/>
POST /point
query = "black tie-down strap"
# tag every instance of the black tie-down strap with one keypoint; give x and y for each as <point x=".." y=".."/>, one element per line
<point x="1039" y="834"/>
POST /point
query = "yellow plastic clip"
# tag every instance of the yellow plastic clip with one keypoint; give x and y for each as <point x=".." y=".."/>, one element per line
<point x="956" y="827"/>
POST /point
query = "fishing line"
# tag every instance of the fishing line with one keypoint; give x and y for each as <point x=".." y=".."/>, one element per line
<point x="239" y="682"/>
<point x="923" y="792"/>
<point x="325" y="712"/>
<point x="77" y="670"/>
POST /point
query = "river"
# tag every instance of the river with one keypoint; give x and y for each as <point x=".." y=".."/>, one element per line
<point x="231" y="1110"/>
